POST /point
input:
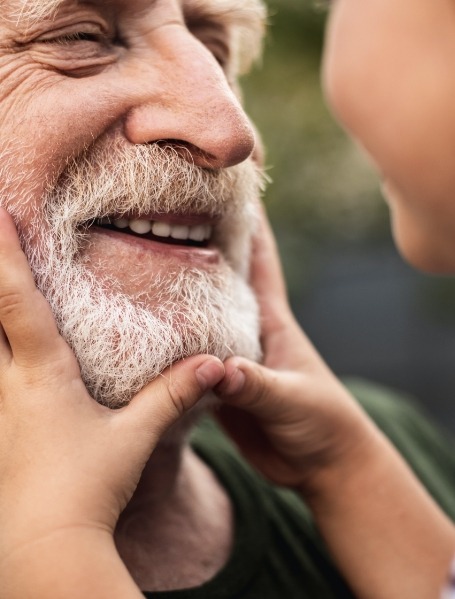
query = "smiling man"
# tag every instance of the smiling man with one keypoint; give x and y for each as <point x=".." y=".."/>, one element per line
<point x="129" y="168"/>
<point x="126" y="161"/>
<point x="127" y="165"/>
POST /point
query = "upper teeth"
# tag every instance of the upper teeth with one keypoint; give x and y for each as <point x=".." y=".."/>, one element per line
<point x="160" y="229"/>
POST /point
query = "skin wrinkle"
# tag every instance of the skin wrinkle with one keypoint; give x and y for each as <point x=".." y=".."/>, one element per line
<point x="73" y="154"/>
<point x="70" y="110"/>
<point x="77" y="276"/>
<point x="245" y="20"/>
<point x="39" y="84"/>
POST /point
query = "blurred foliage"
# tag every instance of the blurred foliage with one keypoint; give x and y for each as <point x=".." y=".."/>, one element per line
<point x="437" y="300"/>
<point x="323" y="188"/>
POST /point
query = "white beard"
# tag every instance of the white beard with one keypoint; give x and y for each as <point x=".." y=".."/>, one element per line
<point x="121" y="346"/>
<point x="120" y="342"/>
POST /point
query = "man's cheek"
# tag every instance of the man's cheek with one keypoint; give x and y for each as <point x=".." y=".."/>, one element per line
<point x="43" y="125"/>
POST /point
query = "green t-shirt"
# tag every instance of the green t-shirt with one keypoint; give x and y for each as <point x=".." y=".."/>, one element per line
<point x="277" y="552"/>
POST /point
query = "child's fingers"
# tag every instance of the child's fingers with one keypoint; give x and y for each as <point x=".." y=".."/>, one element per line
<point x="267" y="280"/>
<point x="255" y="389"/>
<point x="284" y="343"/>
<point x="161" y="403"/>
<point x="266" y="275"/>
<point x="25" y="316"/>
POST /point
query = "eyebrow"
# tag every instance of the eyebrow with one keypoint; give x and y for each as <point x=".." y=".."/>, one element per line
<point x="37" y="9"/>
<point x="248" y="17"/>
<point x="235" y="10"/>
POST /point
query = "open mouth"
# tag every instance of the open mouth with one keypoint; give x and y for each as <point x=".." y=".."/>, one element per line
<point x="182" y="232"/>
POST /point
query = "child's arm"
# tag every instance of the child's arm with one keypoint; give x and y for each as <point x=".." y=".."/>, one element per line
<point x="298" y="425"/>
<point x="68" y="466"/>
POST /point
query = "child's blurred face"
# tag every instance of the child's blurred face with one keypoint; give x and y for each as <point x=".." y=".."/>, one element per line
<point x="389" y="75"/>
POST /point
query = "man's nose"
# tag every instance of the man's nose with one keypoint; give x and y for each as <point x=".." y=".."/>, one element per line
<point x="182" y="97"/>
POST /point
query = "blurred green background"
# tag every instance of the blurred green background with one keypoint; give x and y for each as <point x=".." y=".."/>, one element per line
<point x="367" y="312"/>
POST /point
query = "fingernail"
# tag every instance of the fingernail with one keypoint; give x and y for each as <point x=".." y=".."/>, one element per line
<point x="236" y="382"/>
<point x="209" y="374"/>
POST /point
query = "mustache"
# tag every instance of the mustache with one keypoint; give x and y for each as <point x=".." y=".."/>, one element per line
<point x="123" y="341"/>
<point x="114" y="179"/>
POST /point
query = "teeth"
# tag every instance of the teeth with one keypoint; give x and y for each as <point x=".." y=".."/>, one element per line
<point x="160" y="229"/>
<point x="180" y="232"/>
<point x="198" y="233"/>
<point x="141" y="227"/>
<point x="121" y="223"/>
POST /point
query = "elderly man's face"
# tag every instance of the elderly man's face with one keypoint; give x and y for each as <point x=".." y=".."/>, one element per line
<point x="125" y="160"/>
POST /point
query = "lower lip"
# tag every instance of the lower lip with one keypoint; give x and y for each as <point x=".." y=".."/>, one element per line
<point x="194" y="255"/>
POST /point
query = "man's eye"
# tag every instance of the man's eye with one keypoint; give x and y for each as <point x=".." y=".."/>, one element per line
<point x="79" y="36"/>
<point x="219" y="51"/>
<point x="62" y="37"/>
<point x="221" y="58"/>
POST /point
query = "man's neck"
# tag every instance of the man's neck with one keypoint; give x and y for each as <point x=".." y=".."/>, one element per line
<point x="177" y="530"/>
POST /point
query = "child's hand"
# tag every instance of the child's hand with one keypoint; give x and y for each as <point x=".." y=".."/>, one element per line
<point x="300" y="427"/>
<point x="66" y="462"/>
<point x="291" y="417"/>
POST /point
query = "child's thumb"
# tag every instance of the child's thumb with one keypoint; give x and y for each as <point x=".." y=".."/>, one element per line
<point x="163" y="401"/>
